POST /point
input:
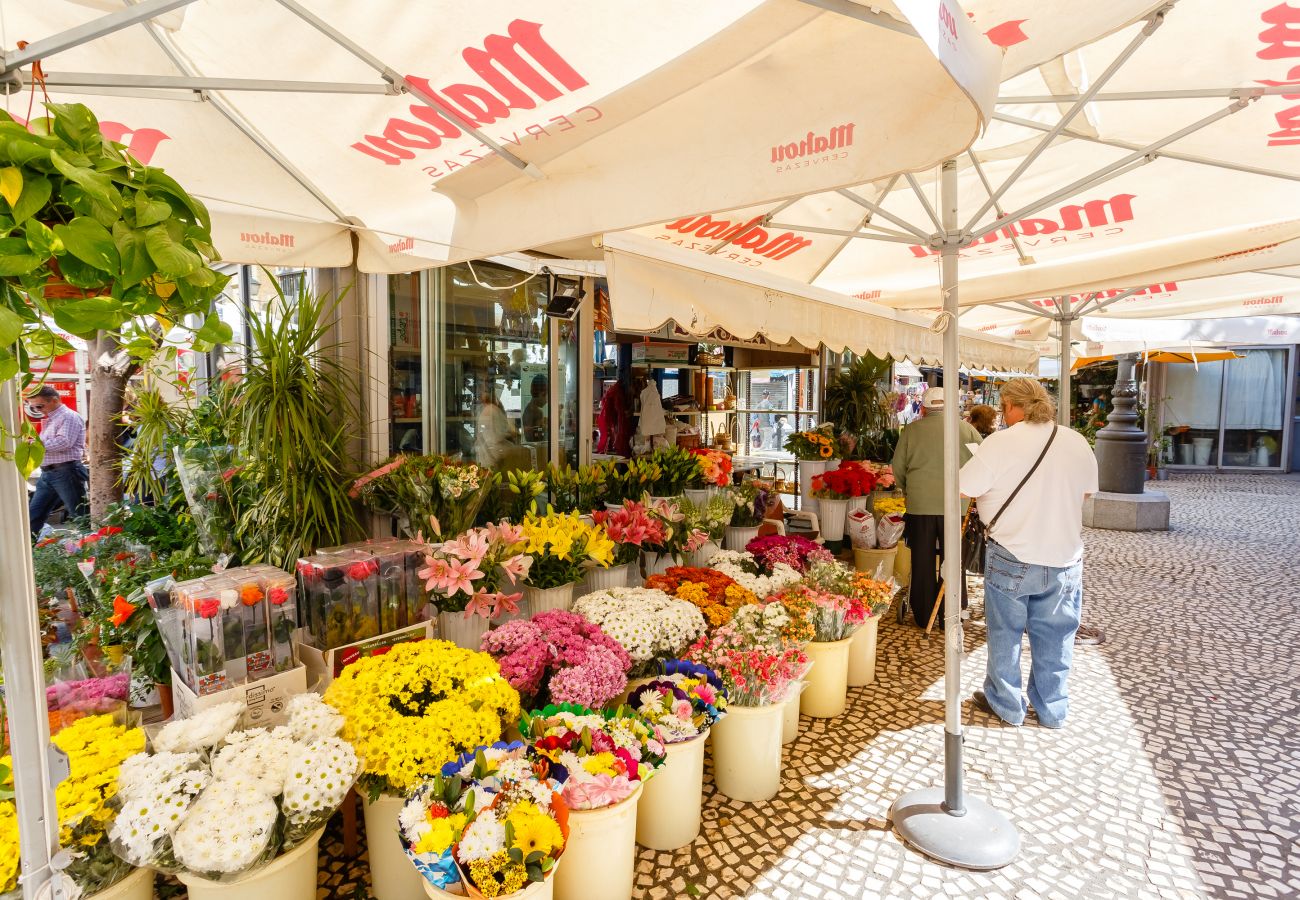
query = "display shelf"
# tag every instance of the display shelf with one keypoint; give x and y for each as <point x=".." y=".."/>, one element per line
<point x="408" y="420"/>
<point x="685" y="367"/>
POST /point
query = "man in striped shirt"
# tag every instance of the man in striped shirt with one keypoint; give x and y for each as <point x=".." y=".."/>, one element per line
<point x="63" y="475"/>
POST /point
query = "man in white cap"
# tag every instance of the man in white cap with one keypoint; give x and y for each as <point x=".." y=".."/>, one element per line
<point x="918" y="469"/>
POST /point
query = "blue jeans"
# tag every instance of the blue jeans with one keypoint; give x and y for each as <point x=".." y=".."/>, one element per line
<point x="1046" y="602"/>
<point x="64" y="481"/>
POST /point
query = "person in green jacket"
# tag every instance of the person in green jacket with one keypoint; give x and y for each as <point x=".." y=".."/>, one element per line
<point x="918" y="471"/>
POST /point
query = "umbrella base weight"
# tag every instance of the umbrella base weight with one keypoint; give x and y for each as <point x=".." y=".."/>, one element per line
<point x="980" y="839"/>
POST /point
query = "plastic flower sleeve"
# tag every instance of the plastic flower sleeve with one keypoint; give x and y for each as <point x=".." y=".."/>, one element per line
<point x="327" y="595"/>
<point x="282" y="600"/>
<point x="232" y="628"/>
<point x="169" y="619"/>
<point x="390" y="561"/>
<point x="81" y="690"/>
<point x="414" y="556"/>
<point x="252" y="616"/>
<point x="206" y="673"/>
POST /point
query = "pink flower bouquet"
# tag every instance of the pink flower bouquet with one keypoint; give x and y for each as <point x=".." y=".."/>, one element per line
<point x="558" y="656"/>
<point x="479" y="572"/>
<point x="753" y="674"/>
<point x="599" y="759"/>
<point x="796" y="552"/>
<point x="632" y="528"/>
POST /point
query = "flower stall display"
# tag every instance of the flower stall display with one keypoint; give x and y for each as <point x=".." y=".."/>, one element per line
<point x="76" y="692"/>
<point x="681" y="705"/>
<point x="709" y="516"/>
<point x="816" y="450"/>
<point x="633" y="529"/>
<point x="341" y="593"/>
<point x="713" y="471"/>
<point x="749" y="499"/>
<point x="648" y="624"/>
<point x="833" y="490"/>
<point x="679" y="538"/>
<point x="407" y="713"/>
<point x="601" y="762"/>
<point x="777" y="624"/>
<point x="742" y="566"/>
<point x="836" y="613"/>
<point x="235" y="813"/>
<point x="875" y="597"/>
<point x="558" y="656"/>
<point x="717" y="595"/>
<point x="476" y="578"/>
<point x="431" y="496"/>
<point x="562" y="548"/>
<point x="676" y="468"/>
<point x="96" y="747"/>
<point x="793" y="551"/>
<point x="747" y="743"/>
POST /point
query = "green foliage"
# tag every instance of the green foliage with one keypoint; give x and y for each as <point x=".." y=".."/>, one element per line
<point x="858" y="407"/>
<point x="524" y="490"/>
<point x="156" y="421"/>
<point x="677" y="469"/>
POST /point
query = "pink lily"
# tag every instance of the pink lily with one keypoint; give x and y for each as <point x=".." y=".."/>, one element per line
<point x="517" y="567"/>
<point x="461" y="575"/>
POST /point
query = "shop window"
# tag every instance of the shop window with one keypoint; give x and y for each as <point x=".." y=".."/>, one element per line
<point x="1253" y="407"/>
<point x="406" y="330"/>
<point x="1192" y="413"/>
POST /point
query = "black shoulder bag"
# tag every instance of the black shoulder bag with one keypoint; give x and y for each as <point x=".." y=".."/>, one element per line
<point x="974" y="533"/>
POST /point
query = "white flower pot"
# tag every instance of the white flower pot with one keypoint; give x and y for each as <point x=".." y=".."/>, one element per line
<point x="876" y="563"/>
<point x="599" y="862"/>
<point x="392" y="877"/>
<point x="136" y="886"/>
<point x="604" y="579"/>
<point x="669" y="812"/>
<point x="807" y="469"/>
<point x="747" y="752"/>
<point x="863" y="502"/>
<point x="463" y="632"/>
<point x="542" y="600"/>
<point x="862" y="654"/>
<point x="736" y="537"/>
<point x="700" y="558"/>
<point x="657" y="563"/>
<point x="698" y="496"/>
<point x="790" y="714"/>
<point x="832" y="515"/>
<point x="828" y="680"/>
<point x="291" y="876"/>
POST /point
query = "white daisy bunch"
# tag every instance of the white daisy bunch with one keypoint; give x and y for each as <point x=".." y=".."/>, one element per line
<point x="228" y="830"/>
<point x="740" y="565"/>
<point x="761" y="624"/>
<point x="310" y="718"/>
<point x="317" y="777"/>
<point x="649" y="624"/>
<point x="259" y="756"/>
<point x="154" y="795"/>
<point x="482" y="838"/>
<point x="202" y="731"/>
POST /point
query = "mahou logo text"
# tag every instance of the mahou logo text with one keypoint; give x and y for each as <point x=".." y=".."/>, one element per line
<point x="837" y="138"/>
<point x="745" y="235"/>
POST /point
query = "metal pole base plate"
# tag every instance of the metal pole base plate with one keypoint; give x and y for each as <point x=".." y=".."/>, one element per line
<point x="980" y="839"/>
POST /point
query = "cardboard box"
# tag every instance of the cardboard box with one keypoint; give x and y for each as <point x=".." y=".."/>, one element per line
<point x="267" y="699"/>
<point x="657" y="352"/>
<point x="323" y="666"/>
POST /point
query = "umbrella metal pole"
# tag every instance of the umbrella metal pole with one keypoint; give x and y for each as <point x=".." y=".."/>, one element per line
<point x="1063" y="409"/>
<point x="945" y="823"/>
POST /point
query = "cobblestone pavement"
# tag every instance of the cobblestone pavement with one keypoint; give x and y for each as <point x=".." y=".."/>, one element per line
<point x="1175" y="776"/>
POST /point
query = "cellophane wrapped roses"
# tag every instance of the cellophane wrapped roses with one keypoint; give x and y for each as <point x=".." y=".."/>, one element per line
<point x="685" y="701"/>
<point x="418" y="706"/>
<point x="648" y="624"/>
<point x="598" y="759"/>
<point x="741" y="566"/>
<point x="558" y="656"/>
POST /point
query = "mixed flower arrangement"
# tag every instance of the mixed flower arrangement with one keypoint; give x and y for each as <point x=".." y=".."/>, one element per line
<point x="713" y="468"/>
<point x="648" y="624"/>
<point x="478" y="573"/>
<point x="875" y="596"/>
<point x="717" y="595"/>
<point x="851" y="479"/>
<point x="562" y="547"/>
<point x="744" y="568"/>
<point x="818" y="443"/>
<point x="632" y="528"/>
<point x="710" y="517"/>
<point x="598" y="759"/>
<point x="679" y="537"/>
<point x="559" y="656"/>
<point x="792" y="551"/>
<point x="69" y="701"/>
<point x="884" y="473"/>
<point x="776" y="624"/>
<point x="684" y="702"/>
<point x="754" y="674"/>
<point x="836" y="608"/>
<point x="418" y="706"/>
<point x="429" y="495"/>
<point x="750" y="499"/>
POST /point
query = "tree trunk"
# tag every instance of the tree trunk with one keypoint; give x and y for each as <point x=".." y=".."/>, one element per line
<point x="110" y="371"/>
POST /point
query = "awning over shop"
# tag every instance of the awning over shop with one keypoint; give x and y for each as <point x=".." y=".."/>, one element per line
<point x="1172" y="332"/>
<point x="1096" y="353"/>
<point x="652" y="283"/>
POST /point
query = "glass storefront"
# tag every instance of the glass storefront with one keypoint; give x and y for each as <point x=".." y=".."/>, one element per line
<point x="407" y="340"/>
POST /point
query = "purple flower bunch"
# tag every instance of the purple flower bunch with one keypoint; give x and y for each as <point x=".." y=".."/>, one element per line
<point x="796" y="552"/>
<point x="559" y="657"/>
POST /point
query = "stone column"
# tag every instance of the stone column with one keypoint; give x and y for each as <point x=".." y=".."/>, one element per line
<point x="1121" y="504"/>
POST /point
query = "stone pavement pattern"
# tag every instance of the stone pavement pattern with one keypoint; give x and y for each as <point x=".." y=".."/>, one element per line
<point x="1176" y="775"/>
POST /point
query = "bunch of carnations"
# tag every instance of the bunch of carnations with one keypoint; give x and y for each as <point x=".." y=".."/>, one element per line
<point x="632" y="528"/>
<point x="851" y="479"/>
<point x="479" y="572"/>
<point x="794" y="551"/>
<point x="743" y="567"/>
<point x="68" y="701"/>
<point x="220" y="802"/>
<point x="713" y="468"/>
<point x="95" y="747"/>
<point x="775" y="624"/>
<point x="875" y="596"/>
<point x="717" y="595"/>
<point x="754" y="674"/>
<point x="648" y="624"/>
<point x="487" y="822"/>
<point x="558" y="656"/>
<point x="836" y="610"/>
<point x="685" y="701"/>
<point x="562" y="547"/>
<point x="418" y="706"/>
<point x="598" y="759"/>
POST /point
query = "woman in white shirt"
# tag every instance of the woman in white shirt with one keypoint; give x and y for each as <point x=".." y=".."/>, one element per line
<point x="1033" y="573"/>
<point x="495" y="435"/>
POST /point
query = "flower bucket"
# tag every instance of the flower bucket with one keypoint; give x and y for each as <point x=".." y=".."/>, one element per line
<point x="669" y="813"/>
<point x="542" y="600"/>
<point x="599" y="579"/>
<point x="737" y="538"/>
<point x="747" y="752"/>
<point x="463" y="632"/>
<point x="828" y="680"/>
<point x="790" y="714"/>
<point x="807" y="469"/>
<point x="700" y="558"/>
<point x="537" y="890"/>
<point x="657" y="563"/>
<point x="392" y="877"/>
<point x="698" y="496"/>
<point x="903" y="565"/>
<point x="600" y="858"/>
<point x="675" y="498"/>
<point x="136" y="886"/>
<point x="879" y="564"/>
<point x="862" y="654"/>
<point x="833" y="514"/>
<point x="291" y="876"/>
<point x="863" y="502"/>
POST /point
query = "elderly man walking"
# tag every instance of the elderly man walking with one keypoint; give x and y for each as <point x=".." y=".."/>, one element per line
<point x="1029" y="482"/>
<point x="63" y="475"/>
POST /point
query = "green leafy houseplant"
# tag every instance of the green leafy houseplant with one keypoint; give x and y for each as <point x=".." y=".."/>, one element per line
<point x="677" y="468"/>
<point x="858" y="407"/>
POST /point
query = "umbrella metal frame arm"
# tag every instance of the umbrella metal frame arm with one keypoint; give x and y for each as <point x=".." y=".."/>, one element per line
<point x="1230" y="93"/>
<point x="1025" y="259"/>
<point x="863" y="14"/>
<point x="202" y="85"/>
<point x="893" y="237"/>
<point x="75" y="37"/>
<point x="886" y="215"/>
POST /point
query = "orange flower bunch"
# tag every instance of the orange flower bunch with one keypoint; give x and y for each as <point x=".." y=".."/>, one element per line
<point x="718" y="596"/>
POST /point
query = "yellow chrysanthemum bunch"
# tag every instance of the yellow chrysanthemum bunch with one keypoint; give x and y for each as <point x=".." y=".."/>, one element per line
<point x="419" y="706"/>
<point x="8" y="846"/>
<point x="562" y="545"/>
<point x="891" y="506"/>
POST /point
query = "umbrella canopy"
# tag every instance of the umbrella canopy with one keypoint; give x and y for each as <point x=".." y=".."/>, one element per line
<point x="1108" y="353"/>
<point x="440" y="131"/>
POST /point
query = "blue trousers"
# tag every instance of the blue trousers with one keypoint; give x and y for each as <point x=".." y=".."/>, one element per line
<point x="1046" y="602"/>
<point x="66" y="482"/>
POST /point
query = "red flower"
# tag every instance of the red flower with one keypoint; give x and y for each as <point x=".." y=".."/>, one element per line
<point x="90" y="539"/>
<point x="209" y="608"/>
<point x="278" y="596"/>
<point x="109" y="530"/>
<point x="360" y="571"/>
<point x="122" y="610"/>
<point x="230" y="473"/>
<point x="438" y="810"/>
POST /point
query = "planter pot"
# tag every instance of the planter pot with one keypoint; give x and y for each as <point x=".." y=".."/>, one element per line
<point x="807" y="469"/>
<point x="612" y="507"/>
<point x="1162" y="474"/>
<point x="392" y="877"/>
<point x="700" y="558"/>
<point x="542" y="600"/>
<point x="656" y="563"/>
<point x="862" y="654"/>
<point x="165" y="700"/>
<point x="604" y="579"/>
<point x="833" y="514"/>
<point x="538" y="890"/>
<point x="291" y="876"/>
<point x="698" y="496"/>
<point x="747" y="752"/>
<point x="600" y="859"/>
<point x="463" y="632"/>
<point x="863" y="502"/>
<point x="669" y="813"/>
<point x="736" y="538"/>
<point x="903" y="565"/>
<point x="828" y="680"/>
<point x="790" y="723"/>
<point x="879" y="564"/>
<point x="136" y="886"/>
